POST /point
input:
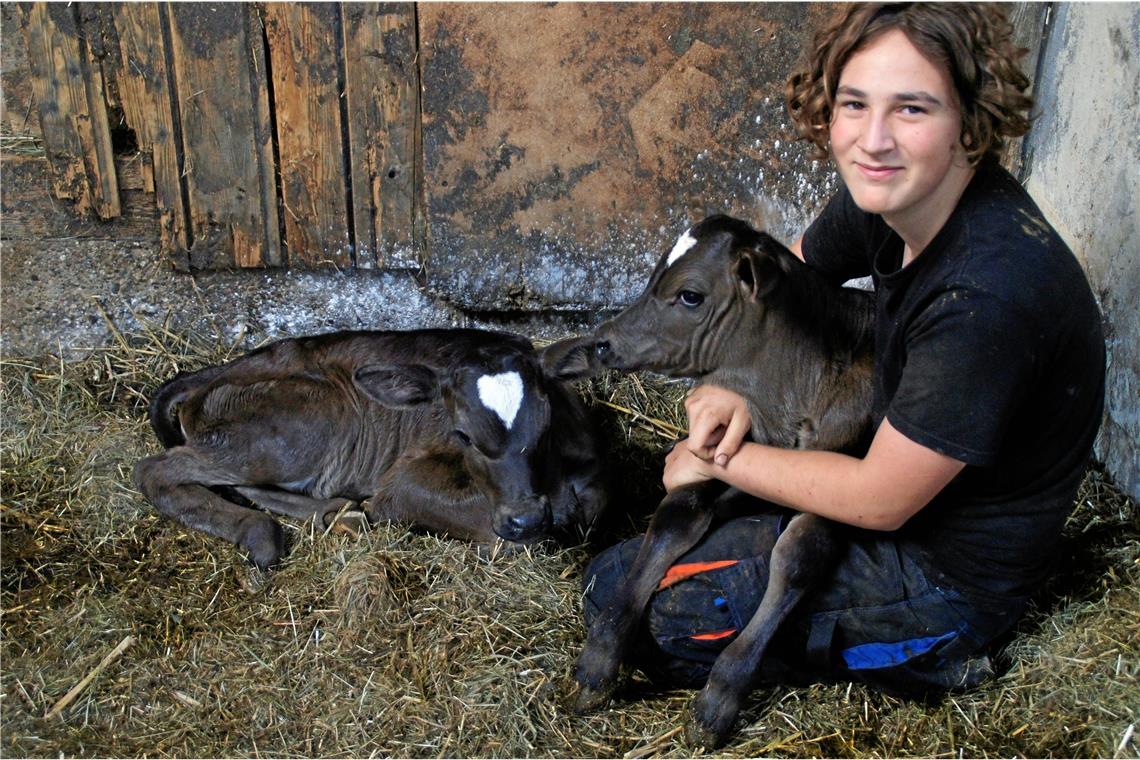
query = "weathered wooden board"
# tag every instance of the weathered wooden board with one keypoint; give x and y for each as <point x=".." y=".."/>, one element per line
<point x="304" y="45"/>
<point x="68" y="87"/>
<point x="1028" y="21"/>
<point x="145" y="93"/>
<point x="324" y="175"/>
<point x="222" y="103"/>
<point x="29" y="213"/>
<point x="567" y="145"/>
<point x="381" y="87"/>
<point x="18" y="102"/>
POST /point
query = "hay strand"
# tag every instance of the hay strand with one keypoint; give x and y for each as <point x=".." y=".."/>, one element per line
<point x="75" y="690"/>
<point x="1125" y="740"/>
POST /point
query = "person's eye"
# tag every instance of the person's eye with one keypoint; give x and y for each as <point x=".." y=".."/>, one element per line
<point x="690" y="298"/>
<point x="913" y="110"/>
<point x="851" y="105"/>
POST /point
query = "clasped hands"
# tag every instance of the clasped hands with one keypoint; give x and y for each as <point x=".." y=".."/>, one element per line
<point x="718" y="422"/>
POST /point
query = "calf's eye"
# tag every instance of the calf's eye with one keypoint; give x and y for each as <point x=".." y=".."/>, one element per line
<point x="463" y="437"/>
<point x="690" y="298"/>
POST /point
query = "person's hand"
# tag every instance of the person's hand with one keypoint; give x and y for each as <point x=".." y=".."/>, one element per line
<point x="718" y="422"/>
<point x="682" y="468"/>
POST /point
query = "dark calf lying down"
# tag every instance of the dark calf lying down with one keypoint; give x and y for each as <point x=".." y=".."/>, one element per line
<point x="459" y="431"/>
<point x="730" y="306"/>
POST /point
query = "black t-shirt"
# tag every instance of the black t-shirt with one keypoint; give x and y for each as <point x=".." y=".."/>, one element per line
<point x="988" y="350"/>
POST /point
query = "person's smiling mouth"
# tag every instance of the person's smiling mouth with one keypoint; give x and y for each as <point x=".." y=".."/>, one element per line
<point x="875" y="172"/>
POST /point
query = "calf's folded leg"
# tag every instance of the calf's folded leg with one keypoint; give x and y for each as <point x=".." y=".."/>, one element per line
<point x="803" y="556"/>
<point x="432" y="490"/>
<point x="176" y="481"/>
<point x="677" y="525"/>
<point x="295" y="505"/>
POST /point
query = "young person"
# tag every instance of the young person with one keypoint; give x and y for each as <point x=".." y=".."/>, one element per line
<point x="988" y="382"/>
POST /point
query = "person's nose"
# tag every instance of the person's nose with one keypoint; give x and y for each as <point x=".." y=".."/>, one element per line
<point x="877" y="138"/>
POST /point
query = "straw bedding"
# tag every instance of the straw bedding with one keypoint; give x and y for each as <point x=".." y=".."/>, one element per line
<point x="126" y="635"/>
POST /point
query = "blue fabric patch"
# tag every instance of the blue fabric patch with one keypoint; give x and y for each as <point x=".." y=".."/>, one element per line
<point x="720" y="601"/>
<point x="888" y="654"/>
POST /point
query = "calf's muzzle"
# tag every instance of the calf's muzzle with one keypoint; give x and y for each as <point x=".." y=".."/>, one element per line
<point x="524" y="520"/>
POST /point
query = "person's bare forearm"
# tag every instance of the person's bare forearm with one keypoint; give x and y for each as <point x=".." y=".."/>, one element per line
<point x="896" y="479"/>
<point x="821" y="482"/>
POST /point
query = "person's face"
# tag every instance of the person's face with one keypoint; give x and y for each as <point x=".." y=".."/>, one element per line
<point x="895" y="132"/>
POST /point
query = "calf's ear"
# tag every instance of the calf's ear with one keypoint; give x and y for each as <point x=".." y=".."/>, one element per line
<point x="757" y="273"/>
<point x="570" y="359"/>
<point x="398" y="385"/>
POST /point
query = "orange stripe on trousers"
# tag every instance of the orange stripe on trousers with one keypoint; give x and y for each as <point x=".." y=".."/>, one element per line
<point x="678" y="573"/>
<point x="713" y="636"/>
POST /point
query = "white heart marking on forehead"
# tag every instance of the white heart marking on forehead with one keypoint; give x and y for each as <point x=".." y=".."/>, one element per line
<point x="684" y="243"/>
<point x="502" y="394"/>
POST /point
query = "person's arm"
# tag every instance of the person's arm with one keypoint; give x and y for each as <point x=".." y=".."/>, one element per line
<point x="881" y="491"/>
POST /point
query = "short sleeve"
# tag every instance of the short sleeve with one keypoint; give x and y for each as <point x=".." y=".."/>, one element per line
<point x="969" y="360"/>
<point x="838" y="243"/>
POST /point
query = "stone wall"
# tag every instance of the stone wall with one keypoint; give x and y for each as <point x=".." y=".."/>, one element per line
<point x="1083" y="159"/>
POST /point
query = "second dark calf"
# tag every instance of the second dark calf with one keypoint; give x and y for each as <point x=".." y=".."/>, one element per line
<point x="731" y="306"/>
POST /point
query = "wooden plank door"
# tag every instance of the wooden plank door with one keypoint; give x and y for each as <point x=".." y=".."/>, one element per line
<point x="277" y="134"/>
<point x="222" y="104"/>
<point x="382" y="98"/>
<point x="68" y="85"/>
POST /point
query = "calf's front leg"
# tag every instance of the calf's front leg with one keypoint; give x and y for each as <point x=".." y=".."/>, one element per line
<point x="292" y="504"/>
<point x="677" y="525"/>
<point x="432" y="490"/>
<point x="803" y="556"/>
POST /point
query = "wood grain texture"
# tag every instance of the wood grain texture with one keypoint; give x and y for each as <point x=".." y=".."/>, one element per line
<point x="68" y="86"/>
<point x="381" y="86"/>
<point x="145" y="92"/>
<point x="304" y="41"/>
<point x="32" y="214"/>
<point x="222" y="103"/>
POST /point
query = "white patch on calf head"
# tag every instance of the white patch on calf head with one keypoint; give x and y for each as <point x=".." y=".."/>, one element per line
<point x="502" y="394"/>
<point x="682" y="246"/>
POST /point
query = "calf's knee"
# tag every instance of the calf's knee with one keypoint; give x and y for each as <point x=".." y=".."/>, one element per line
<point x="151" y="478"/>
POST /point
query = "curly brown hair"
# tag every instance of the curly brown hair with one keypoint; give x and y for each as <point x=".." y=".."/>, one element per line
<point x="973" y="42"/>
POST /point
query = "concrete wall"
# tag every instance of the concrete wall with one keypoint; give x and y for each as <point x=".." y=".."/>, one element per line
<point x="565" y="146"/>
<point x="1083" y="158"/>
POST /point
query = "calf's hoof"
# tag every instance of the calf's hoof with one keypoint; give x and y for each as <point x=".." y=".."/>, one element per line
<point x="595" y="679"/>
<point x="263" y="540"/>
<point x="375" y="508"/>
<point x="587" y="699"/>
<point x="710" y="720"/>
<point x="346" y="522"/>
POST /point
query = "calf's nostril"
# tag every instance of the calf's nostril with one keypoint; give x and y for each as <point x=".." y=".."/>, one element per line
<point x="524" y="523"/>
